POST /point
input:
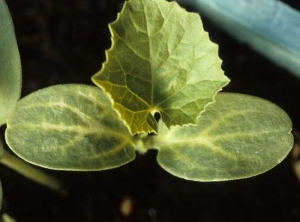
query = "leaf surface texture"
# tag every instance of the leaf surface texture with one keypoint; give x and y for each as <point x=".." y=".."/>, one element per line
<point x="161" y="60"/>
<point x="238" y="136"/>
<point x="69" y="127"/>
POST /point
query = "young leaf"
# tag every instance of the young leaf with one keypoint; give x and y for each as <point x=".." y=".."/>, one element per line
<point x="69" y="127"/>
<point x="161" y="60"/>
<point x="238" y="136"/>
<point x="10" y="67"/>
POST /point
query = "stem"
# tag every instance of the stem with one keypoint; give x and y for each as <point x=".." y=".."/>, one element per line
<point x="30" y="172"/>
<point x="144" y="142"/>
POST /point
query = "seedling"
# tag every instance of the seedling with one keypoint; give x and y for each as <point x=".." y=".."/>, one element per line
<point x="158" y="90"/>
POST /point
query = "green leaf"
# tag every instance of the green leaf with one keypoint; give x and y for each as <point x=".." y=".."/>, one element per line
<point x="161" y="60"/>
<point x="69" y="127"/>
<point x="238" y="136"/>
<point x="10" y="67"/>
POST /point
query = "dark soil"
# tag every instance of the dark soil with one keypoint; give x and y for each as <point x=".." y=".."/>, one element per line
<point x="63" y="41"/>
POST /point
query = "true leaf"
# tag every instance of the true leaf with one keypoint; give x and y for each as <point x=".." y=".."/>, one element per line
<point x="161" y="60"/>
<point x="69" y="127"/>
<point x="10" y="67"/>
<point x="238" y="136"/>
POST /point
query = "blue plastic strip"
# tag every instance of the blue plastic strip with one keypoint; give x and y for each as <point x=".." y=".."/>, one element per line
<point x="269" y="26"/>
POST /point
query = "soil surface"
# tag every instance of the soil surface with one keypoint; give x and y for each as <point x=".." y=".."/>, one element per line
<point x="63" y="41"/>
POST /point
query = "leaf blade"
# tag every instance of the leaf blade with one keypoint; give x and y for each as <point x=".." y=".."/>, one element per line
<point x="160" y="58"/>
<point x="10" y="65"/>
<point x="237" y="137"/>
<point x="69" y="127"/>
